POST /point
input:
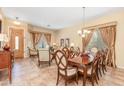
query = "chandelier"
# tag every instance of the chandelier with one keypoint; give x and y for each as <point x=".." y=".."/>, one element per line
<point x="83" y="32"/>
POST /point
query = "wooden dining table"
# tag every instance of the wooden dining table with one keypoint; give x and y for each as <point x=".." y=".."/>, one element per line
<point x="81" y="62"/>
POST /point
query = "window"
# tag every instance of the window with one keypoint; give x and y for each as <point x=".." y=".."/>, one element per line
<point x="16" y="42"/>
<point x="96" y="41"/>
<point x="42" y="43"/>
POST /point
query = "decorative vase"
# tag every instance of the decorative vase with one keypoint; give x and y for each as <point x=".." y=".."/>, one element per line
<point x="6" y="48"/>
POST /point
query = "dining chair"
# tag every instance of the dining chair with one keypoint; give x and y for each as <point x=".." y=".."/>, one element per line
<point x="104" y="63"/>
<point x="63" y="69"/>
<point x="90" y="72"/>
<point x="66" y="51"/>
<point x="71" y="52"/>
<point x="99" y="58"/>
<point x="52" y="54"/>
<point x="77" y="51"/>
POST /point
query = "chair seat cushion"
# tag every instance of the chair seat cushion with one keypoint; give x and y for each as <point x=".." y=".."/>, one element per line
<point x="70" y="71"/>
<point x="33" y="52"/>
<point x="88" y="71"/>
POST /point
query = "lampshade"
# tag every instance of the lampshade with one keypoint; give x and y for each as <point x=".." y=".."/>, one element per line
<point x="79" y="32"/>
<point x="83" y="35"/>
<point x="54" y="44"/>
<point x="3" y="38"/>
<point x="72" y="45"/>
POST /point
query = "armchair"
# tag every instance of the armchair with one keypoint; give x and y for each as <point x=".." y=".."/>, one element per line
<point x="43" y="55"/>
<point x="63" y="69"/>
<point x="32" y="52"/>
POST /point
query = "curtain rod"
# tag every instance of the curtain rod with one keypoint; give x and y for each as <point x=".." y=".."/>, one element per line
<point x="102" y="25"/>
<point x="39" y="32"/>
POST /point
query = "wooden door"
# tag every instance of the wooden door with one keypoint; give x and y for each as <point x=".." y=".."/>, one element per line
<point x="17" y="42"/>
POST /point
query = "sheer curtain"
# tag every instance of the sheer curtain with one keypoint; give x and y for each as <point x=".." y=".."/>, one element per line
<point x="40" y="39"/>
<point x="42" y="42"/>
<point x="96" y="41"/>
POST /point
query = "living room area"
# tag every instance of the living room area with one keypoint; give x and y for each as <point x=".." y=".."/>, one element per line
<point x="49" y="46"/>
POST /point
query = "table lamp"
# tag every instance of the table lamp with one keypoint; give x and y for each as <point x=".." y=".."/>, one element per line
<point x="4" y="40"/>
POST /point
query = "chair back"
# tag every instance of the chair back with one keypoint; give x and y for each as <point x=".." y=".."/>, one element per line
<point x="61" y="60"/>
<point x="104" y="58"/>
<point x="32" y="51"/>
<point x="71" y="48"/>
<point x="71" y="52"/>
<point x="43" y="54"/>
<point x="66" y="51"/>
<point x="95" y="65"/>
<point x="77" y="50"/>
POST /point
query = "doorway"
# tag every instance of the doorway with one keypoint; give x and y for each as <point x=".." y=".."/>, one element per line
<point x="17" y="41"/>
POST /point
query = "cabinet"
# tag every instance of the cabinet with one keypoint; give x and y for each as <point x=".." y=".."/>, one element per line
<point x="5" y="62"/>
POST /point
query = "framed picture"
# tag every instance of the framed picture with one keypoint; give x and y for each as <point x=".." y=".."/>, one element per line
<point x="0" y="30"/>
<point x="0" y="26"/>
<point x="67" y="42"/>
<point x="62" y="42"/>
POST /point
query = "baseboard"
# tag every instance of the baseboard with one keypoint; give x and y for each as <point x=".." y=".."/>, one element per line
<point x="122" y="67"/>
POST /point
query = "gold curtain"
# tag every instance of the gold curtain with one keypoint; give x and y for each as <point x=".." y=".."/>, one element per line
<point x="36" y="37"/>
<point x="109" y="35"/>
<point x="86" y="40"/>
<point x="48" y="38"/>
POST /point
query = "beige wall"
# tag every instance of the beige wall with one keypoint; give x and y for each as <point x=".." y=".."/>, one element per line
<point x="2" y="18"/>
<point x="41" y="29"/>
<point x="7" y="23"/>
<point x="27" y="39"/>
<point x="71" y="32"/>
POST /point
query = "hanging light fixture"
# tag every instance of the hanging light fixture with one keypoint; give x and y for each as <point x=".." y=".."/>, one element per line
<point x="16" y="22"/>
<point x="84" y="31"/>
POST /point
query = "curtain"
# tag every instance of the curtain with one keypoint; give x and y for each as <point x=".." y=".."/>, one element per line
<point x="86" y="40"/>
<point x="36" y="37"/>
<point x="48" y="38"/>
<point x="109" y="35"/>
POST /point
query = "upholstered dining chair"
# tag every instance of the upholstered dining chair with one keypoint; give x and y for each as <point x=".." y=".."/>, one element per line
<point x="104" y="63"/>
<point x="90" y="72"/>
<point x="71" y="52"/>
<point x="66" y="51"/>
<point x="64" y="70"/>
<point x="77" y="51"/>
<point x="52" y="53"/>
<point x="100" y="58"/>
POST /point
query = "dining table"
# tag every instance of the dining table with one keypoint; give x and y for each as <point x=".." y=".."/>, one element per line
<point x="82" y="61"/>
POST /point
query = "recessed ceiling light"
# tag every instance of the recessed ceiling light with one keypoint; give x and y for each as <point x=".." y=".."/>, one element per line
<point x="17" y="21"/>
<point x="48" y="25"/>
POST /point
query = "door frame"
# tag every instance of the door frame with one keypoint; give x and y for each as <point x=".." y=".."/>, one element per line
<point x="17" y="27"/>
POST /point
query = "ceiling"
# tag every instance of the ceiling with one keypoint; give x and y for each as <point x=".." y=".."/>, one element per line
<point x="55" y="17"/>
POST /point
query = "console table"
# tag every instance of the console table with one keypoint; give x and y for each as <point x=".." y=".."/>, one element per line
<point x="5" y="62"/>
